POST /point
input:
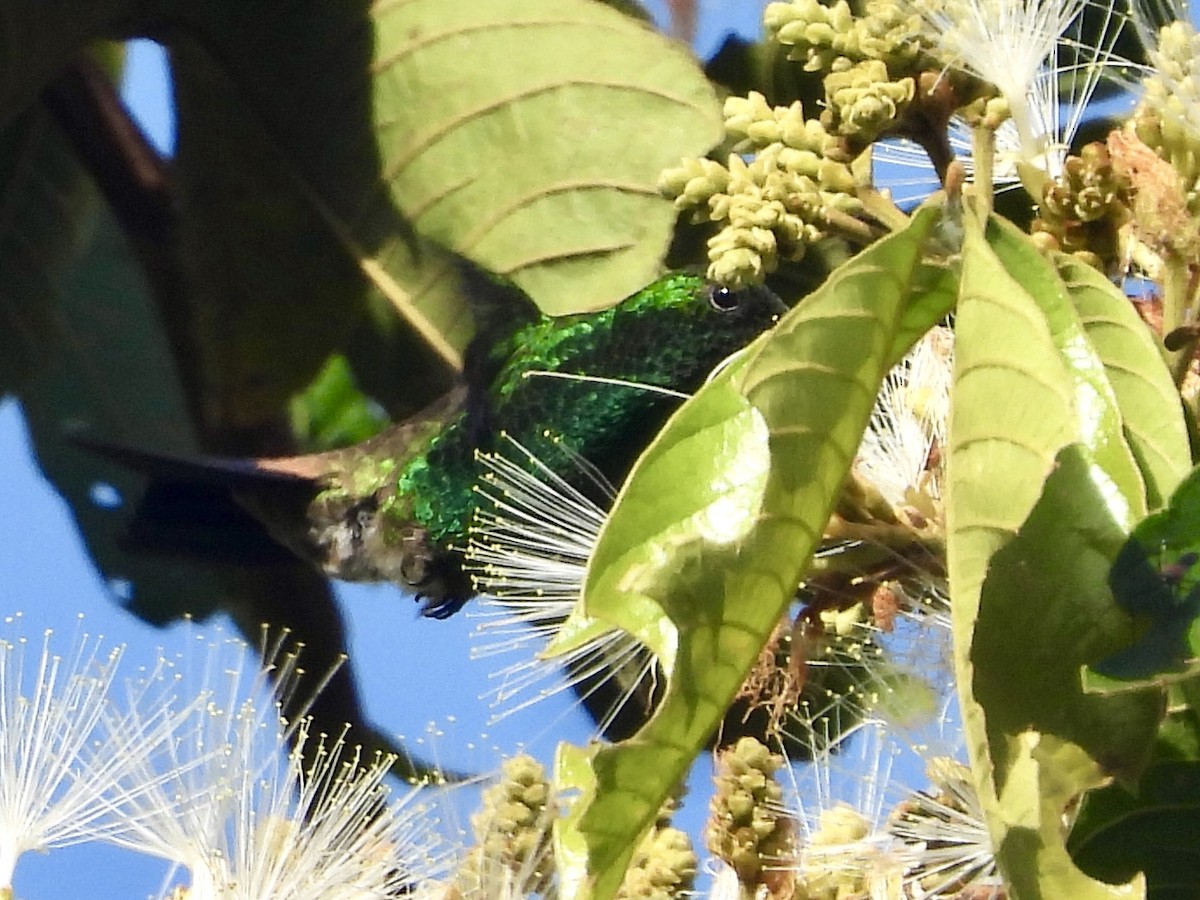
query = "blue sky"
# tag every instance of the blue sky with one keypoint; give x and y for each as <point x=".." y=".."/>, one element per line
<point x="412" y="672"/>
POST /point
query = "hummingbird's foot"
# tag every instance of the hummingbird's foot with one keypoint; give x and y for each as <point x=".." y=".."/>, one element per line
<point x="440" y="607"/>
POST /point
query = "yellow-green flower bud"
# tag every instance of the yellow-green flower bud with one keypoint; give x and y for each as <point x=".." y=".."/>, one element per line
<point x="817" y="34"/>
<point x="741" y="113"/>
<point x="513" y="827"/>
<point x="733" y="266"/>
<point x="693" y="182"/>
<point x="863" y="100"/>
<point x="746" y="828"/>
<point x="662" y="868"/>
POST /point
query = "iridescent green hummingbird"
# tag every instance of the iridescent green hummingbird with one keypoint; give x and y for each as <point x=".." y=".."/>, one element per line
<point x="398" y="507"/>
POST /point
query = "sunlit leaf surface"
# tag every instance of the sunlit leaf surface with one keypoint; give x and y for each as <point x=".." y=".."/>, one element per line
<point x="713" y="530"/>
<point x="1038" y="473"/>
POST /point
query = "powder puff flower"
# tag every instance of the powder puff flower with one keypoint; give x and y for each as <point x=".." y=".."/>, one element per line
<point x="252" y="806"/>
<point x="528" y="554"/>
<point x="870" y="823"/>
<point x="1033" y="53"/>
<point x="53" y="779"/>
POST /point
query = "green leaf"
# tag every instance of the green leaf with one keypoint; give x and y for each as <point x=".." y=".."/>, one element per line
<point x="1041" y="492"/>
<point x="333" y="412"/>
<point x="546" y="171"/>
<point x="47" y="203"/>
<point x="1003" y="349"/>
<point x="1040" y="621"/>
<point x="39" y="38"/>
<point x="1156" y="832"/>
<point x="1097" y="413"/>
<point x="1151" y="414"/>
<point x="271" y="288"/>
<point x="712" y="531"/>
<point x="312" y="144"/>
<point x="1046" y="777"/>
<point x="1156" y="578"/>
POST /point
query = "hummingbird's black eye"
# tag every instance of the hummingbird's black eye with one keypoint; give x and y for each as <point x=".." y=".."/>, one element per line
<point x="722" y="299"/>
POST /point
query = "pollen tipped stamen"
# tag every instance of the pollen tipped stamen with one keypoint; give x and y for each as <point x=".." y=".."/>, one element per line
<point x="530" y="542"/>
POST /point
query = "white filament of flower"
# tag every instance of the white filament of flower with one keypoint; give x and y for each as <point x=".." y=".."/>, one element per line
<point x="1006" y="43"/>
<point x="866" y="832"/>
<point x="48" y="715"/>
<point x="908" y="422"/>
<point x="531" y="539"/>
<point x="944" y="836"/>
<point x="1044" y="117"/>
<point x="222" y="794"/>
<point x="839" y="803"/>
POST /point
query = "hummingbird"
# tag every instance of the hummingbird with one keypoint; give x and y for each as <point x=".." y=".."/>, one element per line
<point x="397" y="507"/>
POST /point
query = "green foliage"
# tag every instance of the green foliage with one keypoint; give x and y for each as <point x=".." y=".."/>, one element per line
<point x="1025" y="623"/>
<point x="1120" y="833"/>
<point x="1154" y="579"/>
<point x="573" y="215"/>
<point x="49" y="202"/>
<point x="701" y="572"/>
<point x="333" y="412"/>
<point x="334" y="159"/>
<point x="1148" y="401"/>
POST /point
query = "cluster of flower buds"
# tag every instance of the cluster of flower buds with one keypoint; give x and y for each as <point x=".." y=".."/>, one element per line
<point x="877" y="65"/>
<point x="747" y="828"/>
<point x="770" y="208"/>
<point x="831" y="38"/>
<point x="663" y="867"/>
<point x="513" y="833"/>
<point x="1083" y="210"/>
<point x="1165" y="120"/>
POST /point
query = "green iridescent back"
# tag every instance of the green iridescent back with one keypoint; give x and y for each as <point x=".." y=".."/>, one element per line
<point x="671" y="335"/>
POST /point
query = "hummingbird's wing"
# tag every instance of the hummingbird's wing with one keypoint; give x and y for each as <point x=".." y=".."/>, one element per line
<point x="223" y="471"/>
<point x="499" y="309"/>
<point x="325" y="508"/>
<point x="194" y="506"/>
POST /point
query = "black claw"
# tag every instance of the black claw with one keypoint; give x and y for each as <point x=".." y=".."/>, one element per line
<point x="440" y="608"/>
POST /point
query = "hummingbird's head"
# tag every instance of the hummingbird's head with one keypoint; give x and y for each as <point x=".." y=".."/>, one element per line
<point x="674" y="332"/>
<point x="358" y="542"/>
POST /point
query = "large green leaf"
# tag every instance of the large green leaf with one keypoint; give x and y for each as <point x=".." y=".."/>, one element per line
<point x="38" y="38"/>
<point x="1151" y="414"/>
<point x="529" y="136"/>
<point x="1040" y="621"/>
<point x="270" y="288"/>
<point x="1098" y="417"/>
<point x="339" y="124"/>
<point x="1155" y="831"/>
<point x="526" y="136"/>
<point x="45" y="206"/>
<point x="1046" y="775"/>
<point x="712" y="531"/>
<point x="1039" y="474"/>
